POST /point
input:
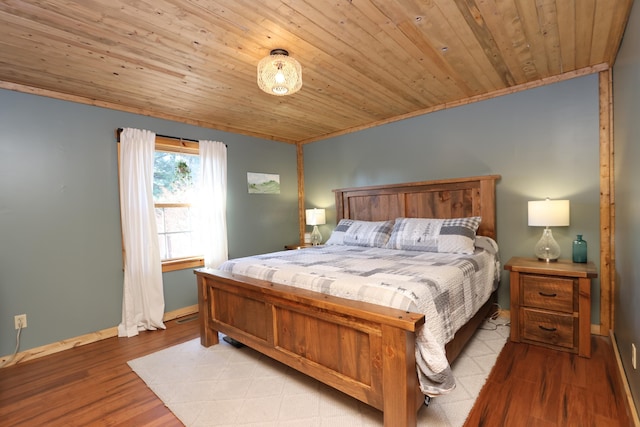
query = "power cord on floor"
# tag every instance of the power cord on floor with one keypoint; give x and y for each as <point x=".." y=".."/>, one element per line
<point x="490" y="323"/>
<point x="13" y="356"/>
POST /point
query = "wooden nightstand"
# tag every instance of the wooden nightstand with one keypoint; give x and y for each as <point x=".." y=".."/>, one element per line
<point x="551" y="303"/>
<point x="302" y="246"/>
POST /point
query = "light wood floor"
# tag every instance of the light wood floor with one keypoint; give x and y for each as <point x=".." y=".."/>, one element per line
<point x="93" y="386"/>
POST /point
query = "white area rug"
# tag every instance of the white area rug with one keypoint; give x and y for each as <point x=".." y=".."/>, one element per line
<point x="225" y="386"/>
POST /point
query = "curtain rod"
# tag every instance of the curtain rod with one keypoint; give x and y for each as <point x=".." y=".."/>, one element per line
<point x="119" y="131"/>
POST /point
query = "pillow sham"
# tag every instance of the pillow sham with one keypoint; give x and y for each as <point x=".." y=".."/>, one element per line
<point x="337" y="236"/>
<point x="455" y="235"/>
<point x="373" y="234"/>
<point x="361" y="233"/>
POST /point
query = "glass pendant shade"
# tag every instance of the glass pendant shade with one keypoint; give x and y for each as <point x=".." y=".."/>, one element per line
<point x="279" y="74"/>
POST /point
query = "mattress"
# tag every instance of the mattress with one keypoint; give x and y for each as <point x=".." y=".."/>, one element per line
<point x="447" y="288"/>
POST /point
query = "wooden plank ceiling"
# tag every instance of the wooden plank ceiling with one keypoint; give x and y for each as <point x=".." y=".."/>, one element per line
<point x="365" y="62"/>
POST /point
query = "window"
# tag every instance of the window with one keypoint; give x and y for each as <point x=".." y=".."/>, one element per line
<point x="176" y="172"/>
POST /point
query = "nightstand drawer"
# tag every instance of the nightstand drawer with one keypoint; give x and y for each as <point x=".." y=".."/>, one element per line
<point x="549" y="293"/>
<point x="548" y="328"/>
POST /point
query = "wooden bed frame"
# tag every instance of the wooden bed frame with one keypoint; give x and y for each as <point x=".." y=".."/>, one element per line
<point x="364" y="350"/>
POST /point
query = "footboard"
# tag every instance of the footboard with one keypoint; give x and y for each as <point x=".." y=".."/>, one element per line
<point x="364" y="350"/>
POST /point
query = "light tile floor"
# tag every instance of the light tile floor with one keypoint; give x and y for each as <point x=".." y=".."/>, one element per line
<point x="226" y="386"/>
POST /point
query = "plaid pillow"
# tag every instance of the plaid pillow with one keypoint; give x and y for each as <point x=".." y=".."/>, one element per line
<point x="368" y="233"/>
<point x="456" y="235"/>
<point x="337" y="236"/>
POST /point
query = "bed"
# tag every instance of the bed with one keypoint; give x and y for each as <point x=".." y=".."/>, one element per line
<point x="365" y="350"/>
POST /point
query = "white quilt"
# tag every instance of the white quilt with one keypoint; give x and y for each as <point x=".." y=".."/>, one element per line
<point x="447" y="288"/>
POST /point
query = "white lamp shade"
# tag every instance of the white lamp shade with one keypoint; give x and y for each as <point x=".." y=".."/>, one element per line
<point x="549" y="213"/>
<point x="315" y="216"/>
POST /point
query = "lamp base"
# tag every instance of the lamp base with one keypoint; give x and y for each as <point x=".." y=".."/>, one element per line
<point x="547" y="249"/>
<point x="316" y="237"/>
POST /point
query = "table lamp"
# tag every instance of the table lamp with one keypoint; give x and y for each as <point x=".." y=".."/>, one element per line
<point x="315" y="217"/>
<point x="548" y="213"/>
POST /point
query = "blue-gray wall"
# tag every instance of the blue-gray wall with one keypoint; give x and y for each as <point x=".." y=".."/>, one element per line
<point x="626" y="96"/>
<point x="60" y="245"/>
<point x="544" y="143"/>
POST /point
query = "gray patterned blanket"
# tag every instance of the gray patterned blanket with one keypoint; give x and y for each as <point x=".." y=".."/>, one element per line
<point x="447" y="288"/>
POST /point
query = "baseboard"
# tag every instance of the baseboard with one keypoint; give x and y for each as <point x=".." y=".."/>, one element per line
<point x="59" y="346"/>
<point x="505" y="314"/>
<point x="599" y="330"/>
<point x="625" y="382"/>
<point x="181" y="312"/>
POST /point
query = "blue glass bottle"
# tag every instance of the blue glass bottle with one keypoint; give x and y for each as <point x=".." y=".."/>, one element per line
<point x="580" y="250"/>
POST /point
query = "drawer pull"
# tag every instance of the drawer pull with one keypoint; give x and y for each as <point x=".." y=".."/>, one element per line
<point x="547" y="329"/>
<point x="548" y="295"/>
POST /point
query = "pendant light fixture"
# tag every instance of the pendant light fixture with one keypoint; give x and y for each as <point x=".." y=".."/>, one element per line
<point x="279" y="74"/>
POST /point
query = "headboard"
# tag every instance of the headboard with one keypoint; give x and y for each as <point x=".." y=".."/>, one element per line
<point x="447" y="198"/>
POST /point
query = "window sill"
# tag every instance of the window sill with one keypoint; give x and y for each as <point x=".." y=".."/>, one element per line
<point x="182" y="264"/>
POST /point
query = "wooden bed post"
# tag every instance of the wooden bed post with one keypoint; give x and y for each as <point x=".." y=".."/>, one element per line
<point x="208" y="337"/>
<point x="399" y="377"/>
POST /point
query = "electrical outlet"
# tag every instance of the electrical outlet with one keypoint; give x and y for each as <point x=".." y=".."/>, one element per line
<point x="633" y="356"/>
<point x="20" y="321"/>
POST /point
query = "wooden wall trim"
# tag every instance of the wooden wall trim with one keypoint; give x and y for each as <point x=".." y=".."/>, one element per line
<point x="301" y="211"/>
<point x="81" y="340"/>
<point x="513" y="89"/>
<point x="607" y="212"/>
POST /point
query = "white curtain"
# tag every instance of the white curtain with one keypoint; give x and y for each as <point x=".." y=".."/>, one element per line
<point x="213" y="202"/>
<point x="143" y="298"/>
